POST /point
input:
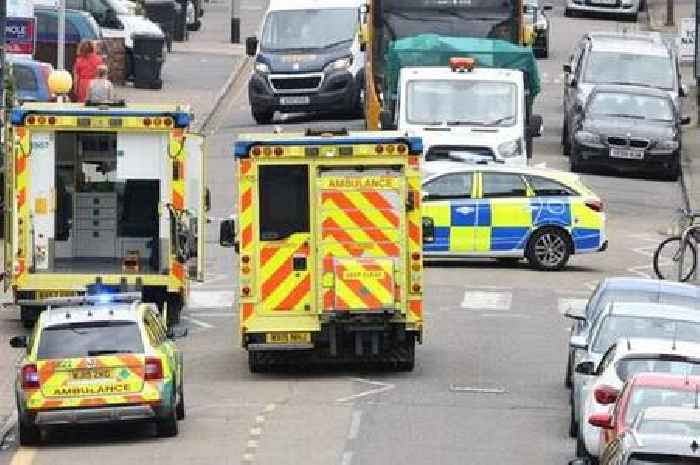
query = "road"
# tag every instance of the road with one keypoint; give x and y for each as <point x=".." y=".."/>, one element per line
<point x="488" y="327"/>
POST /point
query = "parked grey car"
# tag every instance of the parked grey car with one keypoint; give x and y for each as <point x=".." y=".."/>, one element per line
<point x="638" y="59"/>
<point x="618" y="9"/>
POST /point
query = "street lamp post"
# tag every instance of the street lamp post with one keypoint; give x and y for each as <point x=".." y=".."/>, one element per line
<point x="669" y="12"/>
<point x="61" y="43"/>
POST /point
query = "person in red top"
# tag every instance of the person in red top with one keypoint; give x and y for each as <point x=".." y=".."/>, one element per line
<point x="85" y="69"/>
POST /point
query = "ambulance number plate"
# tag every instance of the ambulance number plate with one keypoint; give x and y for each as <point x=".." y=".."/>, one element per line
<point x="288" y="338"/>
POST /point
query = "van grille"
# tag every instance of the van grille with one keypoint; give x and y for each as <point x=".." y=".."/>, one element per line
<point x="301" y="83"/>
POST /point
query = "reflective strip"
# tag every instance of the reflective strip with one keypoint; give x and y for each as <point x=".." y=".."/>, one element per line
<point x="246" y="211"/>
<point x="176" y="154"/>
<point x="22" y="152"/>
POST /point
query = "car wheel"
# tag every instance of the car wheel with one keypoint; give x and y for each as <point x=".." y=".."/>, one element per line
<point x="549" y="249"/>
<point x="573" y="425"/>
<point x="29" y="433"/>
<point x="569" y="13"/>
<point x="567" y="378"/>
<point x="566" y="146"/>
<point x="263" y="116"/>
<point x="167" y="427"/>
<point x="180" y="408"/>
<point x="575" y="163"/>
<point x="580" y="447"/>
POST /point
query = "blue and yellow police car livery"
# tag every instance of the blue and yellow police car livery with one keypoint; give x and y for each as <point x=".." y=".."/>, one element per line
<point x="505" y="212"/>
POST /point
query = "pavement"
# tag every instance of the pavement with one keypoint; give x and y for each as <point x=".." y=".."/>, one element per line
<point x="488" y="384"/>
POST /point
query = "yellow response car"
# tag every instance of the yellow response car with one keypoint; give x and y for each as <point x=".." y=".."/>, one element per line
<point x="495" y="211"/>
<point x="98" y="363"/>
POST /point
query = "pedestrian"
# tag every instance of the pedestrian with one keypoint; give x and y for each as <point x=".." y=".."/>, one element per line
<point x="85" y="69"/>
<point x="101" y="89"/>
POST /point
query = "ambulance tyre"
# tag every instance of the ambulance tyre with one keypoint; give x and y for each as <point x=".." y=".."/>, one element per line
<point x="174" y="309"/>
<point x="29" y="434"/>
<point x="180" y="407"/>
<point x="166" y="427"/>
<point x="408" y="354"/>
<point x="549" y="249"/>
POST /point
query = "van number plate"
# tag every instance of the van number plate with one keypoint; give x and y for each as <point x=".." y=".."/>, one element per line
<point x="299" y="100"/>
<point x="288" y="338"/>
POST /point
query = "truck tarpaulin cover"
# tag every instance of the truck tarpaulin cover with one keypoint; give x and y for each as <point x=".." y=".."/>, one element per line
<point x="434" y="50"/>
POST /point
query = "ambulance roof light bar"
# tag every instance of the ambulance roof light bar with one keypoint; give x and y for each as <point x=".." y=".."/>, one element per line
<point x="460" y="64"/>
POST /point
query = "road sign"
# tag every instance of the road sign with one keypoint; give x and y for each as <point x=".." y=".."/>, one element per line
<point x="686" y="40"/>
<point x="20" y="35"/>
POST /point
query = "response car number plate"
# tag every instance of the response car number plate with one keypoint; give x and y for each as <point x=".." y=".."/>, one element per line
<point x="629" y="154"/>
<point x="288" y="338"/>
<point x="94" y="373"/>
<point x="297" y="100"/>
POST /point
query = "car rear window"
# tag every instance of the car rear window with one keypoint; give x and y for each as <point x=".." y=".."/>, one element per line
<point x="626" y="368"/>
<point x="89" y="339"/>
<point x="545" y="187"/>
<point x="24" y="78"/>
<point x="614" y="327"/>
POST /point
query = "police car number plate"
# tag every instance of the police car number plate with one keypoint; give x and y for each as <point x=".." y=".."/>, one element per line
<point x="288" y="338"/>
<point x="296" y="100"/>
<point x="629" y="154"/>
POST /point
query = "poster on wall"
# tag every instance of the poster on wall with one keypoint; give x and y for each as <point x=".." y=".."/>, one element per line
<point x="20" y="35"/>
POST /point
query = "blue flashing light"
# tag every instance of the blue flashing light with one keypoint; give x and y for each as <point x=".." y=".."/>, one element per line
<point x="415" y="145"/>
<point x="182" y="120"/>
<point x="17" y="116"/>
<point x="242" y="149"/>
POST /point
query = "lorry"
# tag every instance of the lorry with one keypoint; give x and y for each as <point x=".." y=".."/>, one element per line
<point x="329" y="236"/>
<point x="102" y="199"/>
<point x="387" y="21"/>
<point x="469" y="99"/>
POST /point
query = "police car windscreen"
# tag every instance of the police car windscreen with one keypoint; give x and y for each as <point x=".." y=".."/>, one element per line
<point x="462" y="102"/>
<point x="309" y="29"/>
<point x="89" y="339"/>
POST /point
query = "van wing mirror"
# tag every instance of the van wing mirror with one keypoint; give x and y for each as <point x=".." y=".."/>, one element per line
<point x="428" y="230"/>
<point x="547" y="7"/>
<point x="227" y="233"/>
<point x="251" y="46"/>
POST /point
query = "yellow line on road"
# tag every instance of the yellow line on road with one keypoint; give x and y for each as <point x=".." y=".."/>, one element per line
<point x="23" y="456"/>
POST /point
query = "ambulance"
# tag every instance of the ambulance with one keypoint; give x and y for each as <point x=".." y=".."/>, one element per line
<point x="329" y="238"/>
<point x="103" y="198"/>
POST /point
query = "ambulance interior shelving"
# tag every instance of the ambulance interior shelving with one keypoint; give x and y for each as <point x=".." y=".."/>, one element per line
<point x="109" y="196"/>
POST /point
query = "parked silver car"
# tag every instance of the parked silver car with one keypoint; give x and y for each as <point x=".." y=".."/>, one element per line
<point x="618" y="9"/>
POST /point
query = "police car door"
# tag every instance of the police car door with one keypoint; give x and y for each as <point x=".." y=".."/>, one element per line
<point x="510" y="215"/>
<point x="448" y="200"/>
<point x="196" y="203"/>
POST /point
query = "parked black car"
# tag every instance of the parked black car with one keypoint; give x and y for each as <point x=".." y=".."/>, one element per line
<point x="628" y="127"/>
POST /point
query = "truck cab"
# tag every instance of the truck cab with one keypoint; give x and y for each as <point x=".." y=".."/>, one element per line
<point x="467" y="113"/>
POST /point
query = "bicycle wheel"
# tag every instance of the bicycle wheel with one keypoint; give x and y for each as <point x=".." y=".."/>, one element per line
<point x="667" y="256"/>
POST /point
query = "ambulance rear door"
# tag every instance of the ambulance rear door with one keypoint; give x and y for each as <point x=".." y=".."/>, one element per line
<point x="196" y="204"/>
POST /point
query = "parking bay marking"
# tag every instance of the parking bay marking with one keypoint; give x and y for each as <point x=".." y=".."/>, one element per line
<point x="482" y="300"/>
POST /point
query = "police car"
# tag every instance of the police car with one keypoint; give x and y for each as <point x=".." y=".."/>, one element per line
<point x="97" y="363"/>
<point x="506" y="212"/>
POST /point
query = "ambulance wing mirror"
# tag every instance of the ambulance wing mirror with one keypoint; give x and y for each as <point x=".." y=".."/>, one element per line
<point x="428" y="230"/>
<point x="227" y="233"/>
<point x="18" y="342"/>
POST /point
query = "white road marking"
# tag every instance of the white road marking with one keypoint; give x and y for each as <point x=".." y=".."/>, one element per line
<point x="347" y="458"/>
<point x="378" y="388"/>
<point x="252" y="444"/>
<point x="355" y="424"/>
<point x="255" y="431"/>
<point x="213" y="314"/>
<point x="480" y="300"/>
<point x="199" y="323"/>
<point x="575" y="304"/>
<point x="211" y="299"/>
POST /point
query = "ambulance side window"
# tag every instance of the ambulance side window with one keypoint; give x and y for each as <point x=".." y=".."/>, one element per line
<point x="284" y="201"/>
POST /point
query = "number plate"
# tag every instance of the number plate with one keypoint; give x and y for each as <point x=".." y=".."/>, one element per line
<point x="629" y="154"/>
<point x="288" y="338"/>
<point x="95" y="373"/>
<point x="297" y="100"/>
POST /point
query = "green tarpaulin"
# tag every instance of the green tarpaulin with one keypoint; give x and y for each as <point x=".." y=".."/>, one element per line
<point x="436" y="50"/>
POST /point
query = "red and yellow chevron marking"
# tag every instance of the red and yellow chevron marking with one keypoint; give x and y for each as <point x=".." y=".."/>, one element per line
<point x="415" y="227"/>
<point x="245" y="217"/>
<point x="360" y="222"/>
<point x="364" y="284"/>
<point x="281" y="288"/>
<point x="124" y="384"/>
<point x="416" y="308"/>
<point x="176" y="151"/>
<point x="21" y="162"/>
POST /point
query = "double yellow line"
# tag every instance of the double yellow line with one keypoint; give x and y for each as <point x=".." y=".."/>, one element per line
<point x="24" y="456"/>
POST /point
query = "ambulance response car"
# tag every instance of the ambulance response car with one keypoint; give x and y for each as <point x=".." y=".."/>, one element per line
<point x="330" y="247"/>
<point x="95" y="361"/>
<point x="103" y="197"/>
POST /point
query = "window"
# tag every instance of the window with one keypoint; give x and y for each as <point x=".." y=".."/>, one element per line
<point x="545" y="187"/>
<point x="90" y="339"/>
<point x="498" y="185"/>
<point x="75" y="4"/>
<point x="607" y="359"/>
<point x="284" y="201"/>
<point x="450" y="186"/>
<point x="24" y="78"/>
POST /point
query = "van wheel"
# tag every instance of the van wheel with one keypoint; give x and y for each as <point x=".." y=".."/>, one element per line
<point x="262" y="116"/>
<point x="549" y="249"/>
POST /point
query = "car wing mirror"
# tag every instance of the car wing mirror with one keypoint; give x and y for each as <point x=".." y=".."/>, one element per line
<point x="227" y="233"/>
<point x="578" y="342"/>
<point x="585" y="368"/>
<point x="251" y="46"/>
<point x="428" y="230"/>
<point x="177" y="333"/>
<point x="685" y="120"/>
<point x="18" y="342"/>
<point x="601" y="420"/>
<point x="535" y="126"/>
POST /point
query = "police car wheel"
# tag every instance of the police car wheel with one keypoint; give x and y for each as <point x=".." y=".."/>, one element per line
<point x="549" y="249"/>
<point x="29" y="434"/>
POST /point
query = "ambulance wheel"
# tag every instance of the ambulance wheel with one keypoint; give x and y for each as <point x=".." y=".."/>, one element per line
<point x="29" y="434"/>
<point x="255" y="365"/>
<point x="174" y="309"/>
<point x="180" y="408"/>
<point x="167" y="427"/>
<point x="408" y="354"/>
<point x="262" y="116"/>
<point x="549" y="249"/>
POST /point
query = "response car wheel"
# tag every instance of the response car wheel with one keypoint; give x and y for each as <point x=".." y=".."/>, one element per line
<point x="566" y="148"/>
<point x="167" y="427"/>
<point x="573" y="425"/>
<point x="567" y="377"/>
<point x="29" y="434"/>
<point x="549" y="249"/>
<point x="180" y="408"/>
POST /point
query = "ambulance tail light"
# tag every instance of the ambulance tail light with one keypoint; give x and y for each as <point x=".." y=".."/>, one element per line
<point x="153" y="370"/>
<point x="30" y="376"/>
<point x="595" y="205"/>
